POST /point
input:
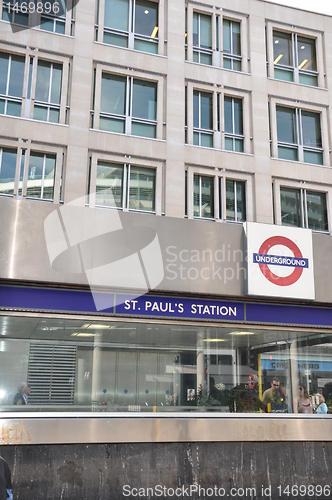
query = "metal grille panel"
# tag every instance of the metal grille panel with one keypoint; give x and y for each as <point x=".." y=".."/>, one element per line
<point x="51" y="374"/>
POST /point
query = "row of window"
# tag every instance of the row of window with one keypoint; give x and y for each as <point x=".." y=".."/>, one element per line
<point x="298" y="207"/>
<point x="128" y="105"/>
<point x="32" y="174"/>
<point x="214" y="40"/>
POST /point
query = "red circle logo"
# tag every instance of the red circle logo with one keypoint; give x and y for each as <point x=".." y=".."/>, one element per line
<point x="269" y="275"/>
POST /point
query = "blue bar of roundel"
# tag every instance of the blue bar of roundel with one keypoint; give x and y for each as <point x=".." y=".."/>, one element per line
<point x="292" y="315"/>
<point x="49" y="299"/>
<point x="177" y="307"/>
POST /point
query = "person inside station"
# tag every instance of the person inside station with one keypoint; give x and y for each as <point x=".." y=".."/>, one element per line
<point x="22" y="395"/>
<point x="274" y="398"/>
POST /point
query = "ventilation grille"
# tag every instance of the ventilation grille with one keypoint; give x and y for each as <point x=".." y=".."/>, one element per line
<point x="51" y="374"/>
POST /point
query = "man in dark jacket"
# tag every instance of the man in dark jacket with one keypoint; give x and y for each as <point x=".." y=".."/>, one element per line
<point x="5" y="480"/>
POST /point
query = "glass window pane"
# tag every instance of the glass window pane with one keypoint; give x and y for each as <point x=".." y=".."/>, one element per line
<point x="285" y="75"/>
<point x="196" y="195"/>
<point x="306" y="51"/>
<point x="6" y="16"/>
<point x="239" y="145"/>
<point x="54" y="115"/>
<point x="236" y="65"/>
<point x="207" y="196"/>
<point x="196" y="139"/>
<point x="236" y="38"/>
<point x="240" y="201"/>
<point x="282" y="48"/>
<point x="308" y="80"/>
<point x="142" y="189"/>
<point x="229" y="144"/>
<point x="311" y="131"/>
<point x="205" y="59"/>
<point x="113" y="94"/>
<point x="238" y="120"/>
<point x="47" y="24"/>
<point x="146" y="18"/>
<point x="43" y="81"/>
<point x="228" y="115"/>
<point x="16" y="76"/>
<point x="109" y="183"/>
<point x="207" y="140"/>
<point x="112" y="39"/>
<point x="3" y="73"/>
<point x="206" y="111"/>
<point x="226" y="36"/>
<point x="143" y="130"/>
<point x="112" y="125"/>
<point x="144" y="100"/>
<point x="290" y="207"/>
<point x="230" y="200"/>
<point x="40" y="113"/>
<point x="196" y="109"/>
<point x="227" y="63"/>
<point x="49" y="175"/>
<point x="13" y="108"/>
<point x="317" y="211"/>
<point x="60" y="27"/>
<point x="2" y="106"/>
<point x="21" y="18"/>
<point x="7" y="171"/>
<point x="146" y="46"/>
<point x="286" y="126"/>
<point x="206" y="32"/>
<point x="195" y="29"/>
<point x="116" y="14"/>
<point x="35" y="175"/>
<point x="313" y="157"/>
<point x="56" y="84"/>
<point x="287" y="153"/>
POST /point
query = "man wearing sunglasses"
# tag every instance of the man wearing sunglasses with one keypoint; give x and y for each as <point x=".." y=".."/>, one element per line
<point x="269" y="396"/>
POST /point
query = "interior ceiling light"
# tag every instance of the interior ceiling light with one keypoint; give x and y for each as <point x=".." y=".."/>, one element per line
<point x="302" y="47"/>
<point x="84" y="334"/>
<point x="242" y="333"/>
<point x="96" y="326"/>
<point x="303" y="63"/>
<point x="214" y="340"/>
<point x="277" y="59"/>
<point x="276" y="41"/>
<point x="146" y="11"/>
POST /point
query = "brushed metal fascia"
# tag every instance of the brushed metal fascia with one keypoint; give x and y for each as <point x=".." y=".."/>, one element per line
<point x="124" y="428"/>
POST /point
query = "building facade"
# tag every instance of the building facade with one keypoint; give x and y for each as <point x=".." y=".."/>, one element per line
<point x="166" y="214"/>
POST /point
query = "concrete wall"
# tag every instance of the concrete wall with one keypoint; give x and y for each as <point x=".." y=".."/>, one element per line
<point x="85" y="472"/>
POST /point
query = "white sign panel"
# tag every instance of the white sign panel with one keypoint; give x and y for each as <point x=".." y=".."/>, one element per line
<point x="280" y="261"/>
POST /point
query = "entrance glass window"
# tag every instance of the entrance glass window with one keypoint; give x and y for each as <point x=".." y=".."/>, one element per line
<point x="125" y="187"/>
<point x="74" y="364"/>
<point x="132" y="24"/>
<point x="303" y="208"/>
<point x="232" y="45"/>
<point x="128" y="106"/>
<point x="295" y="58"/>
<point x="203" y="119"/>
<point x="202" y="38"/>
<point x="299" y="135"/>
<point x="11" y="84"/>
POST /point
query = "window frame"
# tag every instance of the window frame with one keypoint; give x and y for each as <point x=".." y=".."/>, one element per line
<point x="219" y="195"/>
<point x="6" y="97"/>
<point x="312" y="34"/>
<point x="131" y="35"/>
<point x="96" y="112"/>
<point x="303" y="187"/>
<point x="231" y="56"/>
<point x="23" y="150"/>
<point x="299" y="146"/>
<point x="200" y="131"/>
<point x="156" y="165"/>
<point x="198" y="49"/>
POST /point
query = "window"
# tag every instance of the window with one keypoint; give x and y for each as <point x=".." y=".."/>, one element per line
<point x="202" y="38"/>
<point x="53" y="24"/>
<point x="125" y="187"/>
<point x="41" y="176"/>
<point x="12" y="14"/>
<point x="299" y="135"/>
<point x="232" y="45"/>
<point x="48" y="92"/>
<point x="7" y="170"/>
<point x="303" y="208"/>
<point x="11" y="84"/>
<point x="233" y="120"/>
<point x="203" y="119"/>
<point x="128" y="105"/>
<point x="132" y="24"/>
<point x="203" y="196"/>
<point x="294" y="58"/>
<point x="235" y="200"/>
<point x="37" y="174"/>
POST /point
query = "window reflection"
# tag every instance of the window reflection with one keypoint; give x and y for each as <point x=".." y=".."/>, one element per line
<point x="81" y="365"/>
